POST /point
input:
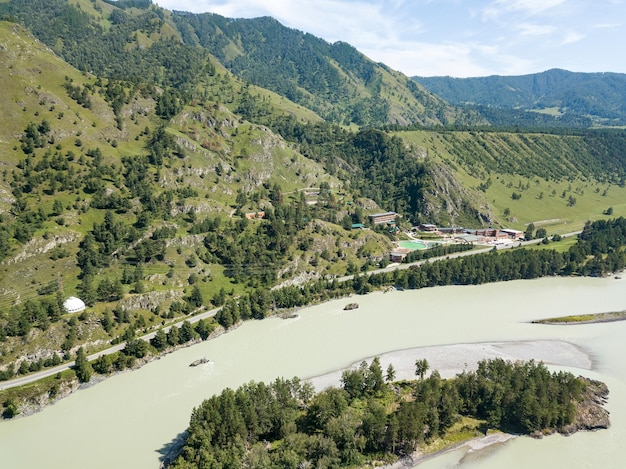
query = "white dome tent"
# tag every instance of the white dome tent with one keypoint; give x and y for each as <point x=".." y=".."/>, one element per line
<point x="74" y="305"/>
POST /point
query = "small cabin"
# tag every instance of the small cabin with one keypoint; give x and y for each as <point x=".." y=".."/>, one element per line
<point x="398" y="255"/>
<point x="513" y="234"/>
<point x="255" y="215"/>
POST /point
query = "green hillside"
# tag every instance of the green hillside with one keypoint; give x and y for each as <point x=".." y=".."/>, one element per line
<point x="142" y="175"/>
<point x="143" y="42"/>
<point x="335" y="80"/>
<point x="557" y="97"/>
<point x="513" y="179"/>
<point x="105" y="200"/>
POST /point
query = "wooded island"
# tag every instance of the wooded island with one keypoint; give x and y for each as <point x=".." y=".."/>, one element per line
<point x="372" y="420"/>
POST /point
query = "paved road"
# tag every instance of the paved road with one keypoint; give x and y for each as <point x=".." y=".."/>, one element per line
<point x="209" y="313"/>
<point x="115" y="348"/>
<point x="481" y="250"/>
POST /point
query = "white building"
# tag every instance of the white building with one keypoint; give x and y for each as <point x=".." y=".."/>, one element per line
<point x="74" y="305"/>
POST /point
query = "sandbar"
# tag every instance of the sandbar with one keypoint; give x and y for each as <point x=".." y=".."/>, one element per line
<point x="449" y="360"/>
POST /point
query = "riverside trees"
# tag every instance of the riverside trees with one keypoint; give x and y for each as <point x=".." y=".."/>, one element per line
<point x="599" y="250"/>
<point x="82" y="367"/>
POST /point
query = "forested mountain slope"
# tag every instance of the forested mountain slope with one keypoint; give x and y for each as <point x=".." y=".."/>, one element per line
<point x="121" y="194"/>
<point x="335" y="80"/>
<point x="142" y="175"/>
<point x="569" y="98"/>
<point x="139" y="41"/>
<point x="513" y="178"/>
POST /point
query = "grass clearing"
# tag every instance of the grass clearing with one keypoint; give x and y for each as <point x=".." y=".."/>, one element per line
<point x="558" y="205"/>
<point x="558" y="246"/>
<point x="551" y="111"/>
<point x="463" y="430"/>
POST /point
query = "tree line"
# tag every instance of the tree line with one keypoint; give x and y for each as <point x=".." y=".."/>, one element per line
<point x="370" y="418"/>
<point x="599" y="251"/>
<point x="105" y="51"/>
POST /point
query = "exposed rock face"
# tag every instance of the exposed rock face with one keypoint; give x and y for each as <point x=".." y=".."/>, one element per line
<point x="42" y="245"/>
<point x="150" y="300"/>
<point x="590" y="415"/>
<point x="299" y="279"/>
<point x="41" y="401"/>
<point x="448" y="201"/>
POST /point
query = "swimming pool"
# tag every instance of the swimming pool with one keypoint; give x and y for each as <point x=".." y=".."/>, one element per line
<point x="414" y="245"/>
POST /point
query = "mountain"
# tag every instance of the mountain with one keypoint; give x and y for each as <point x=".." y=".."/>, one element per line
<point x="555" y="96"/>
<point x="334" y="80"/>
<point x="132" y="193"/>
<point x="104" y="199"/>
<point x="145" y="170"/>
<point x="137" y="40"/>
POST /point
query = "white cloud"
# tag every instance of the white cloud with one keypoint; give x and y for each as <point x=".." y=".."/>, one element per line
<point x="429" y="59"/>
<point x="535" y="30"/>
<point x="607" y="25"/>
<point x="451" y="59"/>
<point x="510" y="11"/>
<point x="359" y="21"/>
<point x="530" y="7"/>
<point x="571" y="37"/>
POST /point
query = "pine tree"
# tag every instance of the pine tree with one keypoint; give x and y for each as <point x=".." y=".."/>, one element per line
<point x="82" y="366"/>
<point x="187" y="332"/>
<point x="159" y="341"/>
<point x="195" y="299"/>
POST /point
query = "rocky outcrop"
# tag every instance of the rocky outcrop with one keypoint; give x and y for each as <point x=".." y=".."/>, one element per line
<point x="199" y="361"/>
<point x="150" y="300"/>
<point x="448" y="201"/>
<point x="590" y="415"/>
<point x="40" y="401"/>
<point x="42" y="245"/>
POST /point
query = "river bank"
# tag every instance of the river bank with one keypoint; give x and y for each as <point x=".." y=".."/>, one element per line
<point x="40" y="400"/>
<point x="450" y="360"/>
<point x="473" y="444"/>
<point x="590" y="416"/>
<point x="159" y="398"/>
<point x="447" y="360"/>
<point x="583" y="319"/>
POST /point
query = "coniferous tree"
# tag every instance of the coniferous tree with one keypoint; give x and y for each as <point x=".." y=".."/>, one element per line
<point x="159" y="341"/>
<point x="187" y="332"/>
<point x="421" y="367"/>
<point x="82" y="366"/>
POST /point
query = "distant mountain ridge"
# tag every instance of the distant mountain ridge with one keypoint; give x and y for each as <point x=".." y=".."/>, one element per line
<point x="136" y="40"/>
<point x="594" y="98"/>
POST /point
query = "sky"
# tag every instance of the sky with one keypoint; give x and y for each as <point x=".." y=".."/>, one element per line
<point x="458" y="38"/>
